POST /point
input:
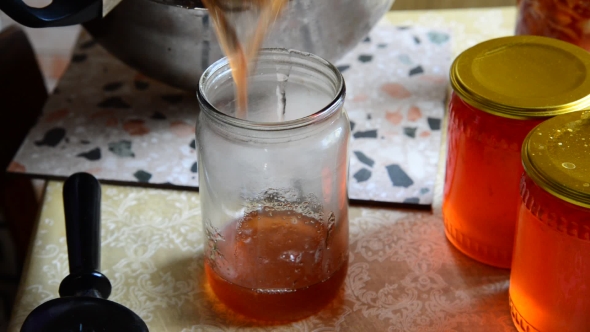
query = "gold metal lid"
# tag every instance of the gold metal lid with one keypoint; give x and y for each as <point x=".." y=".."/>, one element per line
<point x="523" y="77"/>
<point x="556" y="155"/>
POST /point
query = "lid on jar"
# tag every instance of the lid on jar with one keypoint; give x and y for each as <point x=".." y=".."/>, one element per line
<point x="556" y="155"/>
<point x="523" y="77"/>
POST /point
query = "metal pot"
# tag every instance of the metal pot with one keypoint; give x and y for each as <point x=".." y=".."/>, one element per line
<point x="175" y="44"/>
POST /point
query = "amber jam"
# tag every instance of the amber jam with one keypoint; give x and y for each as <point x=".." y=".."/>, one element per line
<point x="550" y="277"/>
<point x="481" y="183"/>
<point x="278" y="265"/>
<point x="502" y="88"/>
<point x="565" y="20"/>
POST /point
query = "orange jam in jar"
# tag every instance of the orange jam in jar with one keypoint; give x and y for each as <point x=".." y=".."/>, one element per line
<point x="550" y="277"/>
<point x="503" y="88"/>
<point x="568" y="20"/>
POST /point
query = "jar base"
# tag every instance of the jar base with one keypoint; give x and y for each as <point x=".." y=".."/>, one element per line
<point x="277" y="306"/>
<point x="473" y="249"/>
<point x="519" y="322"/>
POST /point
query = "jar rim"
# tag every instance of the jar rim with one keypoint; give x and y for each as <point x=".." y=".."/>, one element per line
<point x="325" y="112"/>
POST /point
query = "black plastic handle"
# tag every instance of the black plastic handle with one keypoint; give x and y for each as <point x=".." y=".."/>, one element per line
<point x="81" y="195"/>
<point x="58" y="13"/>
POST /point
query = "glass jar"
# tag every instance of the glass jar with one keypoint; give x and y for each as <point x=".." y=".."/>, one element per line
<point x="273" y="186"/>
<point x="550" y="277"/>
<point x="568" y="20"/>
<point x="502" y="88"/>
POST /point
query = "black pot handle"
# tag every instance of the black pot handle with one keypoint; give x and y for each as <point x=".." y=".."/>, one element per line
<point x="81" y="194"/>
<point x="58" y="13"/>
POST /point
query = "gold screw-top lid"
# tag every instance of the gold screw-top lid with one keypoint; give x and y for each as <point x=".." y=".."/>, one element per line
<point x="556" y="155"/>
<point x="523" y="77"/>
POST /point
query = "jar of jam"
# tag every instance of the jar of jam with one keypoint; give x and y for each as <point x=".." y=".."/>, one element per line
<point x="550" y="277"/>
<point x="273" y="185"/>
<point x="568" y="20"/>
<point x="503" y="88"/>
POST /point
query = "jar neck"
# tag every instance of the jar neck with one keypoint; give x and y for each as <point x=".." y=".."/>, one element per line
<point x="310" y="67"/>
<point x="557" y="214"/>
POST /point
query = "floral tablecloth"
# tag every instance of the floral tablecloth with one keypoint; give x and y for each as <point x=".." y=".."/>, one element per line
<point x="403" y="274"/>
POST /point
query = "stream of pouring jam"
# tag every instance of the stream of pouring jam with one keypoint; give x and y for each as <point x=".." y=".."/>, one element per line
<point x="241" y="27"/>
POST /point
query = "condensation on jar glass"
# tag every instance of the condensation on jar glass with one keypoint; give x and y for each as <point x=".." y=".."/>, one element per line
<point x="503" y="88"/>
<point x="273" y="186"/>
<point x="568" y="20"/>
<point x="550" y="277"/>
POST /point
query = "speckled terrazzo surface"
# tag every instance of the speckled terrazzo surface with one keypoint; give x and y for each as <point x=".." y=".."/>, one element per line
<point x="397" y="82"/>
<point x="107" y="119"/>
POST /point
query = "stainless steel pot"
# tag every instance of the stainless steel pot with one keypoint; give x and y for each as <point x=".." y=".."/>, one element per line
<point x="175" y="45"/>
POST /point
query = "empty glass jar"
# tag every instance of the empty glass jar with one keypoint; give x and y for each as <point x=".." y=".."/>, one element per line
<point x="273" y="186"/>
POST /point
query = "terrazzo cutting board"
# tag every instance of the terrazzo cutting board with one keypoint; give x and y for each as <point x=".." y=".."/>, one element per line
<point x="106" y="119"/>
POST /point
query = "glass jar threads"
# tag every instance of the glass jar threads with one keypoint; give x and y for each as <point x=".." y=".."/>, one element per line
<point x="550" y="277"/>
<point x="502" y="88"/>
<point x="568" y="20"/>
<point x="273" y="186"/>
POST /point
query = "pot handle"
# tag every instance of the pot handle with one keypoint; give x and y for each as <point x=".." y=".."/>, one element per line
<point x="81" y="195"/>
<point x="58" y="13"/>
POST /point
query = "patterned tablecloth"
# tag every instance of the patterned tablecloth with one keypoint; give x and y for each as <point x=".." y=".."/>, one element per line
<point x="403" y="274"/>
